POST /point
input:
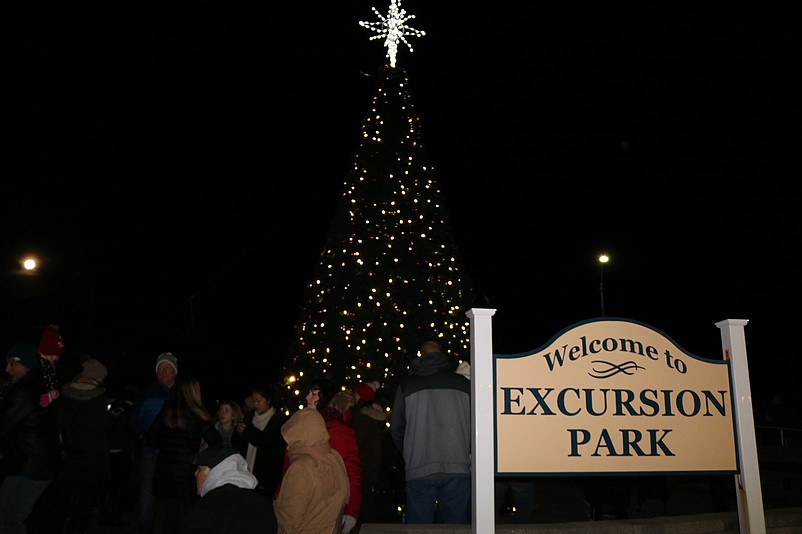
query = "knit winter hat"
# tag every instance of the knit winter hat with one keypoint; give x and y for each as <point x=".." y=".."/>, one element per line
<point x="26" y="354"/>
<point x="51" y="344"/>
<point x="169" y="358"/>
<point x="366" y="390"/>
<point x="94" y="369"/>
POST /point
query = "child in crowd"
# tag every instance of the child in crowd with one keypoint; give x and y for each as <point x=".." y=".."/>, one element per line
<point x="229" y="414"/>
<point x="51" y="347"/>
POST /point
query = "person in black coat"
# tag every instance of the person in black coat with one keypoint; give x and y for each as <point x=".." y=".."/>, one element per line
<point x="116" y="494"/>
<point x="258" y="439"/>
<point x="29" y="438"/>
<point x="181" y="429"/>
<point x="71" y="497"/>
<point x="227" y="500"/>
<point x="369" y="421"/>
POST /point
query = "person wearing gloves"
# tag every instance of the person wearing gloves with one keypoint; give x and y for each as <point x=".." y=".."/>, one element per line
<point x="314" y="490"/>
<point x="227" y="500"/>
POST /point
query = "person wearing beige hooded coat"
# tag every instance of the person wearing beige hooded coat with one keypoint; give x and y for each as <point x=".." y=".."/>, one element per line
<point x="315" y="486"/>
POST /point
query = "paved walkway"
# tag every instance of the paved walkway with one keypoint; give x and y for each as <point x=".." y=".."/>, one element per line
<point x="561" y="500"/>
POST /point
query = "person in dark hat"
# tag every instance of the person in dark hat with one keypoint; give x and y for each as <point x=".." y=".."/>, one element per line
<point x="228" y="502"/>
<point x="369" y="421"/>
<point x="30" y="439"/>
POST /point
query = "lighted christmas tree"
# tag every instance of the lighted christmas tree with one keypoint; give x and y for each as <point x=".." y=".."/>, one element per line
<point x="390" y="275"/>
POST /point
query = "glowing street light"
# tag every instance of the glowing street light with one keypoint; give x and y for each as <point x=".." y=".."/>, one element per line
<point x="604" y="258"/>
<point x="29" y="264"/>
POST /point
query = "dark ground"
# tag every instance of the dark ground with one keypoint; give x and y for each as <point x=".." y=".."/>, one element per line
<point x="565" y="499"/>
<point x="562" y="500"/>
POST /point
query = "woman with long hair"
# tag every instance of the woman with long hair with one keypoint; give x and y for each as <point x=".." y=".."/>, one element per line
<point x="181" y="429"/>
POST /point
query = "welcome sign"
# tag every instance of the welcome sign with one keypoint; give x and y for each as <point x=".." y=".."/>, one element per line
<point x="613" y="396"/>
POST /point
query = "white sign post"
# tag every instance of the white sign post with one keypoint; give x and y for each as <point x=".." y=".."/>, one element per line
<point x="482" y="444"/>
<point x="751" y="517"/>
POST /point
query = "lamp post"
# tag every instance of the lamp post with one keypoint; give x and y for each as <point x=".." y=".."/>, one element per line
<point x="604" y="258"/>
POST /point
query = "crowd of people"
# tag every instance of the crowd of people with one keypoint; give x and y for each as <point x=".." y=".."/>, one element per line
<point x="160" y="458"/>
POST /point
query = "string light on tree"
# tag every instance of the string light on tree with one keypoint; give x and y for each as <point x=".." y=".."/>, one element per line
<point x="392" y="29"/>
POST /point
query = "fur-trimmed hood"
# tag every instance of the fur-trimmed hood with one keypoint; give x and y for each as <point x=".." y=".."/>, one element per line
<point x="375" y="411"/>
<point x="82" y="390"/>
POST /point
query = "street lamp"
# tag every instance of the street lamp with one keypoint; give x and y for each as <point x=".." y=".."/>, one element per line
<point x="29" y="265"/>
<point x="604" y="258"/>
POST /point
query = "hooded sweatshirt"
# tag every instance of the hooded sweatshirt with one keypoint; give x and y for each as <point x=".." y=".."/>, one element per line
<point x="431" y="419"/>
<point x="314" y="489"/>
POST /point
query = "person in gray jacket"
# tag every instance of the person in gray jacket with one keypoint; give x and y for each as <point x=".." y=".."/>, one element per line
<point x="431" y="426"/>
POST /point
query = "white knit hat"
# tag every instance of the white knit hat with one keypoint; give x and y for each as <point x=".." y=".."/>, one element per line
<point x="169" y="358"/>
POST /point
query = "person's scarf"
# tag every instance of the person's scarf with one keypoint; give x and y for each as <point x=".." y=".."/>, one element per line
<point x="260" y="422"/>
<point x="325" y="463"/>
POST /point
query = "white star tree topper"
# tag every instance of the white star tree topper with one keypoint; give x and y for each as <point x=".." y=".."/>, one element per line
<point x="392" y="28"/>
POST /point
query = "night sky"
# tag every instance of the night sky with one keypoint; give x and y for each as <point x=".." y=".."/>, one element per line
<point x="177" y="165"/>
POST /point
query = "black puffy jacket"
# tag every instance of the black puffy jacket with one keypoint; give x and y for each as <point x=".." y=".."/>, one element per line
<point x="174" y="475"/>
<point x="28" y="432"/>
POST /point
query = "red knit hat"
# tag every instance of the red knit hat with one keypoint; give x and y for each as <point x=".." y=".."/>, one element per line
<point x="366" y="390"/>
<point x="51" y="343"/>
